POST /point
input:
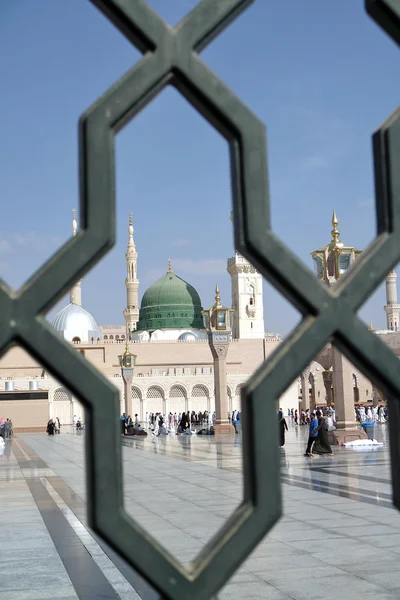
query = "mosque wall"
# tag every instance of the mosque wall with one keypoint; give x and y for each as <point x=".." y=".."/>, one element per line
<point x="17" y="363"/>
<point x="26" y="414"/>
<point x="243" y="356"/>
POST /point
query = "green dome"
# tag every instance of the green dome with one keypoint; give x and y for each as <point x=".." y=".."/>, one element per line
<point x="170" y="303"/>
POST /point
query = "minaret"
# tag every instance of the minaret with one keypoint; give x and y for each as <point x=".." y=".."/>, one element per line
<point x="76" y="291"/>
<point x="247" y="298"/>
<point x="392" y="308"/>
<point x="131" y="312"/>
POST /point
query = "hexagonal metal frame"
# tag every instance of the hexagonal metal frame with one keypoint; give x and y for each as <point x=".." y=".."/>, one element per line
<point x="171" y="58"/>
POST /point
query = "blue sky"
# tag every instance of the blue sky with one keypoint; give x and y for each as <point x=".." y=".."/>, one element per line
<point x="321" y="75"/>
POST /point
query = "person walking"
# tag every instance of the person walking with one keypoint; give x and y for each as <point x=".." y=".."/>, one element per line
<point x="282" y="428"/>
<point x="321" y="445"/>
<point x="312" y="436"/>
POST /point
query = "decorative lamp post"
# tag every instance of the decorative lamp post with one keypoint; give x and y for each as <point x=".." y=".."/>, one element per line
<point x="217" y="321"/>
<point x="331" y="262"/>
<point x="127" y="362"/>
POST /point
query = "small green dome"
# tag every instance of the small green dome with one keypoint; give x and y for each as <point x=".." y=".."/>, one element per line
<point x="170" y="303"/>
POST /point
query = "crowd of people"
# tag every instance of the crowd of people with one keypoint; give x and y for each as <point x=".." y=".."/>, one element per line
<point x="362" y="414"/>
<point x="186" y="423"/>
<point x="322" y="420"/>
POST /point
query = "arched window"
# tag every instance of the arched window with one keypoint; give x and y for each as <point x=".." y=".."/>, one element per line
<point x="117" y="337"/>
<point x="238" y="389"/>
<point x="177" y="391"/>
<point x="199" y="391"/>
<point x="106" y="337"/>
<point x="61" y="395"/>
<point x="154" y="392"/>
<point x="251" y="302"/>
<point x="111" y="337"/>
<point x="319" y="393"/>
<point x="76" y="340"/>
<point x="92" y="340"/>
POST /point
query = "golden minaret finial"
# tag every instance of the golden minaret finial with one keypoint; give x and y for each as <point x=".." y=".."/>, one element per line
<point x="217" y="296"/>
<point x="370" y="326"/>
<point x="74" y="223"/>
<point x="335" y="231"/>
<point x="169" y="266"/>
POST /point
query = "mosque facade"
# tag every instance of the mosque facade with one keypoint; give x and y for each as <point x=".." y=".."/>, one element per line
<point x="173" y="366"/>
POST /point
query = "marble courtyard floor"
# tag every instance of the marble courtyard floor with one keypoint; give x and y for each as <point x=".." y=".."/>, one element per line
<point x="339" y="536"/>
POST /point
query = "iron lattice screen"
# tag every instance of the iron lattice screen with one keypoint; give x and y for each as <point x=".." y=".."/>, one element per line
<point x="171" y="57"/>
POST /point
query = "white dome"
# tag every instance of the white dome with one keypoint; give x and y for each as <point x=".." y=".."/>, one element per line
<point x="188" y="336"/>
<point x="73" y="321"/>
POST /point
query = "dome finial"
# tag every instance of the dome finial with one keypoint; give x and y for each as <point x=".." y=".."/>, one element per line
<point x="371" y="327"/>
<point x="217" y="296"/>
<point x="74" y="223"/>
<point x="335" y="231"/>
<point x="169" y="266"/>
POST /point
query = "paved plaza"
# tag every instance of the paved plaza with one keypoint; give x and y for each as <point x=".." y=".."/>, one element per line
<point x="339" y="537"/>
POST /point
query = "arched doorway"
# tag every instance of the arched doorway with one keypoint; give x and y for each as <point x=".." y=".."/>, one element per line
<point x="230" y="403"/>
<point x="200" y="398"/>
<point x="236" y="400"/>
<point x="62" y="406"/>
<point x="177" y="401"/>
<point x="137" y="404"/>
<point x="155" y="400"/>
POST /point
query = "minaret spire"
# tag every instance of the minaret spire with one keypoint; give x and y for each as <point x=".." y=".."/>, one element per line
<point x="131" y="312"/>
<point x="130" y="230"/>
<point x="392" y="307"/>
<point x="74" y="223"/>
<point x="247" y="297"/>
<point x="76" y="291"/>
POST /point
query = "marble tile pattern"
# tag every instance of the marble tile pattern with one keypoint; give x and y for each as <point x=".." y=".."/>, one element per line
<point x="339" y="536"/>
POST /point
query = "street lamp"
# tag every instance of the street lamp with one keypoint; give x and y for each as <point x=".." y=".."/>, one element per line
<point x="127" y="362"/>
<point x="217" y="322"/>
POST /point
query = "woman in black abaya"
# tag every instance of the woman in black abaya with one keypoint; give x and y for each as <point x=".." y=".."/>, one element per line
<point x="282" y="427"/>
<point x="322" y="445"/>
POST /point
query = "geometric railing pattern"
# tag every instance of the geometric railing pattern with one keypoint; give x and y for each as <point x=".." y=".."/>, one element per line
<point x="177" y="391"/>
<point x="154" y="392"/>
<point x="61" y="395"/>
<point x="136" y="394"/>
<point x="199" y="391"/>
<point x="171" y="57"/>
